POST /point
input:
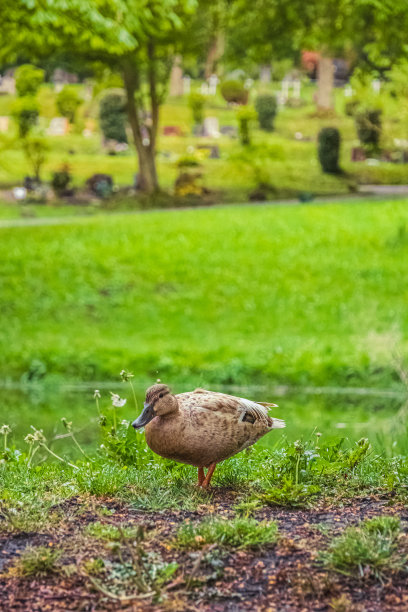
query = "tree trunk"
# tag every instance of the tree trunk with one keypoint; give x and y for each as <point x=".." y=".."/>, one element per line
<point x="146" y="152"/>
<point x="176" y="77"/>
<point x="325" y="82"/>
<point x="214" y="53"/>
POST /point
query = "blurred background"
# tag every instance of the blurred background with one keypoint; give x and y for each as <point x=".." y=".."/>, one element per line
<point x="213" y="193"/>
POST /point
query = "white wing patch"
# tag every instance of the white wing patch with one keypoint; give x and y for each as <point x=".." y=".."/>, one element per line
<point x="253" y="408"/>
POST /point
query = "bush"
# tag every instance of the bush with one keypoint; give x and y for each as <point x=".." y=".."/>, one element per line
<point x="196" y="102"/>
<point x="351" y="106"/>
<point x="61" y="180"/>
<point x="266" y="107"/>
<point x="234" y="92"/>
<point x="112" y="117"/>
<point x="368" y="125"/>
<point x="68" y="101"/>
<point x="25" y="113"/>
<point x="36" y="149"/>
<point x="245" y="115"/>
<point x="329" y="149"/>
<point x="28" y="80"/>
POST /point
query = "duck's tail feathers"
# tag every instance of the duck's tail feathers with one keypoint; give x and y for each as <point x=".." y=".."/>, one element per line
<point x="278" y="423"/>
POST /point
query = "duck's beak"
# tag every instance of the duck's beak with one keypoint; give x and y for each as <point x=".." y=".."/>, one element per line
<point x="146" y="416"/>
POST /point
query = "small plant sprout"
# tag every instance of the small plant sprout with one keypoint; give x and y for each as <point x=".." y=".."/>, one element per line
<point x="97" y="397"/>
<point x="127" y="376"/>
<point x="68" y="427"/>
<point x="39" y="438"/>
<point x="5" y="430"/>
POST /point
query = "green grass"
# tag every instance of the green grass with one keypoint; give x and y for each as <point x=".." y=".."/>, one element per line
<point x="370" y="548"/>
<point x="293" y="170"/>
<point x="112" y="533"/>
<point x="309" y="294"/>
<point x="37" y="561"/>
<point x="239" y="533"/>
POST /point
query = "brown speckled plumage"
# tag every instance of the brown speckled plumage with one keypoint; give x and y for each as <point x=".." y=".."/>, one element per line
<point x="202" y="427"/>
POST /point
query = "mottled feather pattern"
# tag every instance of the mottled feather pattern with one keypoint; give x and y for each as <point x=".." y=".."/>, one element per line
<point x="209" y="427"/>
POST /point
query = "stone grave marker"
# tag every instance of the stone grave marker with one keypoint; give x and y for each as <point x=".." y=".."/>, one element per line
<point x="59" y="126"/>
<point x="211" y="127"/>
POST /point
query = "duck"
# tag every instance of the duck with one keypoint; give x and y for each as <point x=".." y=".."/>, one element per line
<point x="202" y="428"/>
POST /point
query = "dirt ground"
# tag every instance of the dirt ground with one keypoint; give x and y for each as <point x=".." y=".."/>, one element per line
<point x="286" y="577"/>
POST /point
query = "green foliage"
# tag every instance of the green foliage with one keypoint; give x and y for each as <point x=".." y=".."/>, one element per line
<point x="25" y="112"/>
<point x="28" y="80"/>
<point x="68" y="101"/>
<point x="291" y="495"/>
<point x="234" y="92"/>
<point x="239" y="533"/>
<point x="112" y="117"/>
<point x="37" y="561"/>
<point x="60" y="180"/>
<point x="112" y="533"/>
<point x="370" y="548"/>
<point x="245" y="117"/>
<point x="266" y="106"/>
<point x="368" y="125"/>
<point x="196" y="102"/>
<point x="329" y="149"/>
<point x="36" y="149"/>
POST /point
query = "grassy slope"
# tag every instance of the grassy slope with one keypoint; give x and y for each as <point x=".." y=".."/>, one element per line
<point x="289" y="166"/>
<point x="313" y="293"/>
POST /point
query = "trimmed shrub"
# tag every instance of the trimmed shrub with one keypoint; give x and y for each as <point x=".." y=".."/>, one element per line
<point x="368" y="125"/>
<point x="196" y="102"/>
<point x="36" y="150"/>
<point x="266" y="107"/>
<point x="28" y="80"/>
<point x="25" y="113"/>
<point x="245" y="115"/>
<point x="68" y="101"/>
<point x="329" y="149"/>
<point x="60" y="180"/>
<point x="234" y="92"/>
<point x="112" y="117"/>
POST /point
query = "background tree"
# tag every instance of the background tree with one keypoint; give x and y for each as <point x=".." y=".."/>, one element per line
<point x="134" y="38"/>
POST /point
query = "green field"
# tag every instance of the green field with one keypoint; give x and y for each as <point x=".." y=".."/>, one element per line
<point x="312" y="294"/>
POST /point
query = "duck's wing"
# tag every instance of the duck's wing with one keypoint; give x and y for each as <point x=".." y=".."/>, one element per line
<point x="243" y="410"/>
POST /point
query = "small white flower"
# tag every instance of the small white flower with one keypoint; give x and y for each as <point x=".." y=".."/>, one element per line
<point x="96" y="394"/>
<point x="29" y="439"/>
<point x="5" y="429"/>
<point x="125" y="422"/>
<point x="117" y="401"/>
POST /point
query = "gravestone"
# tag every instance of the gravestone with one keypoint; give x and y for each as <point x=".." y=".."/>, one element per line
<point x="229" y="130"/>
<point x="176" y="78"/>
<point x="212" y="85"/>
<point x="59" y="126"/>
<point x="186" y="84"/>
<point x="348" y="91"/>
<point x="172" y="130"/>
<point x="4" y="124"/>
<point x="265" y="74"/>
<point x="376" y="85"/>
<point x="8" y="85"/>
<point x="211" y="127"/>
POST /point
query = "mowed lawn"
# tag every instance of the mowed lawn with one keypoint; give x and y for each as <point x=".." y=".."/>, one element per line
<point x="312" y="294"/>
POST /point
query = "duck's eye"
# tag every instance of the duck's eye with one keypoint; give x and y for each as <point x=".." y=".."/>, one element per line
<point x="161" y="394"/>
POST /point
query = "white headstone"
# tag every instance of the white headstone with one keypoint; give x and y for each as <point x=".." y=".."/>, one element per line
<point x="296" y="88"/>
<point x="348" y="91"/>
<point x="265" y="74"/>
<point x="211" y="127"/>
<point x="186" y="84"/>
<point x="376" y="85"/>
<point x="212" y="84"/>
<point x="58" y="126"/>
<point x="285" y="89"/>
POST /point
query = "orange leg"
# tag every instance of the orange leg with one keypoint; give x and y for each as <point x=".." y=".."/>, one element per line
<point x="201" y="476"/>
<point x="208" y="477"/>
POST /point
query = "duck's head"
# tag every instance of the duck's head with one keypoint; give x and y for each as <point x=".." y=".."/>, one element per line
<point x="159" y="401"/>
